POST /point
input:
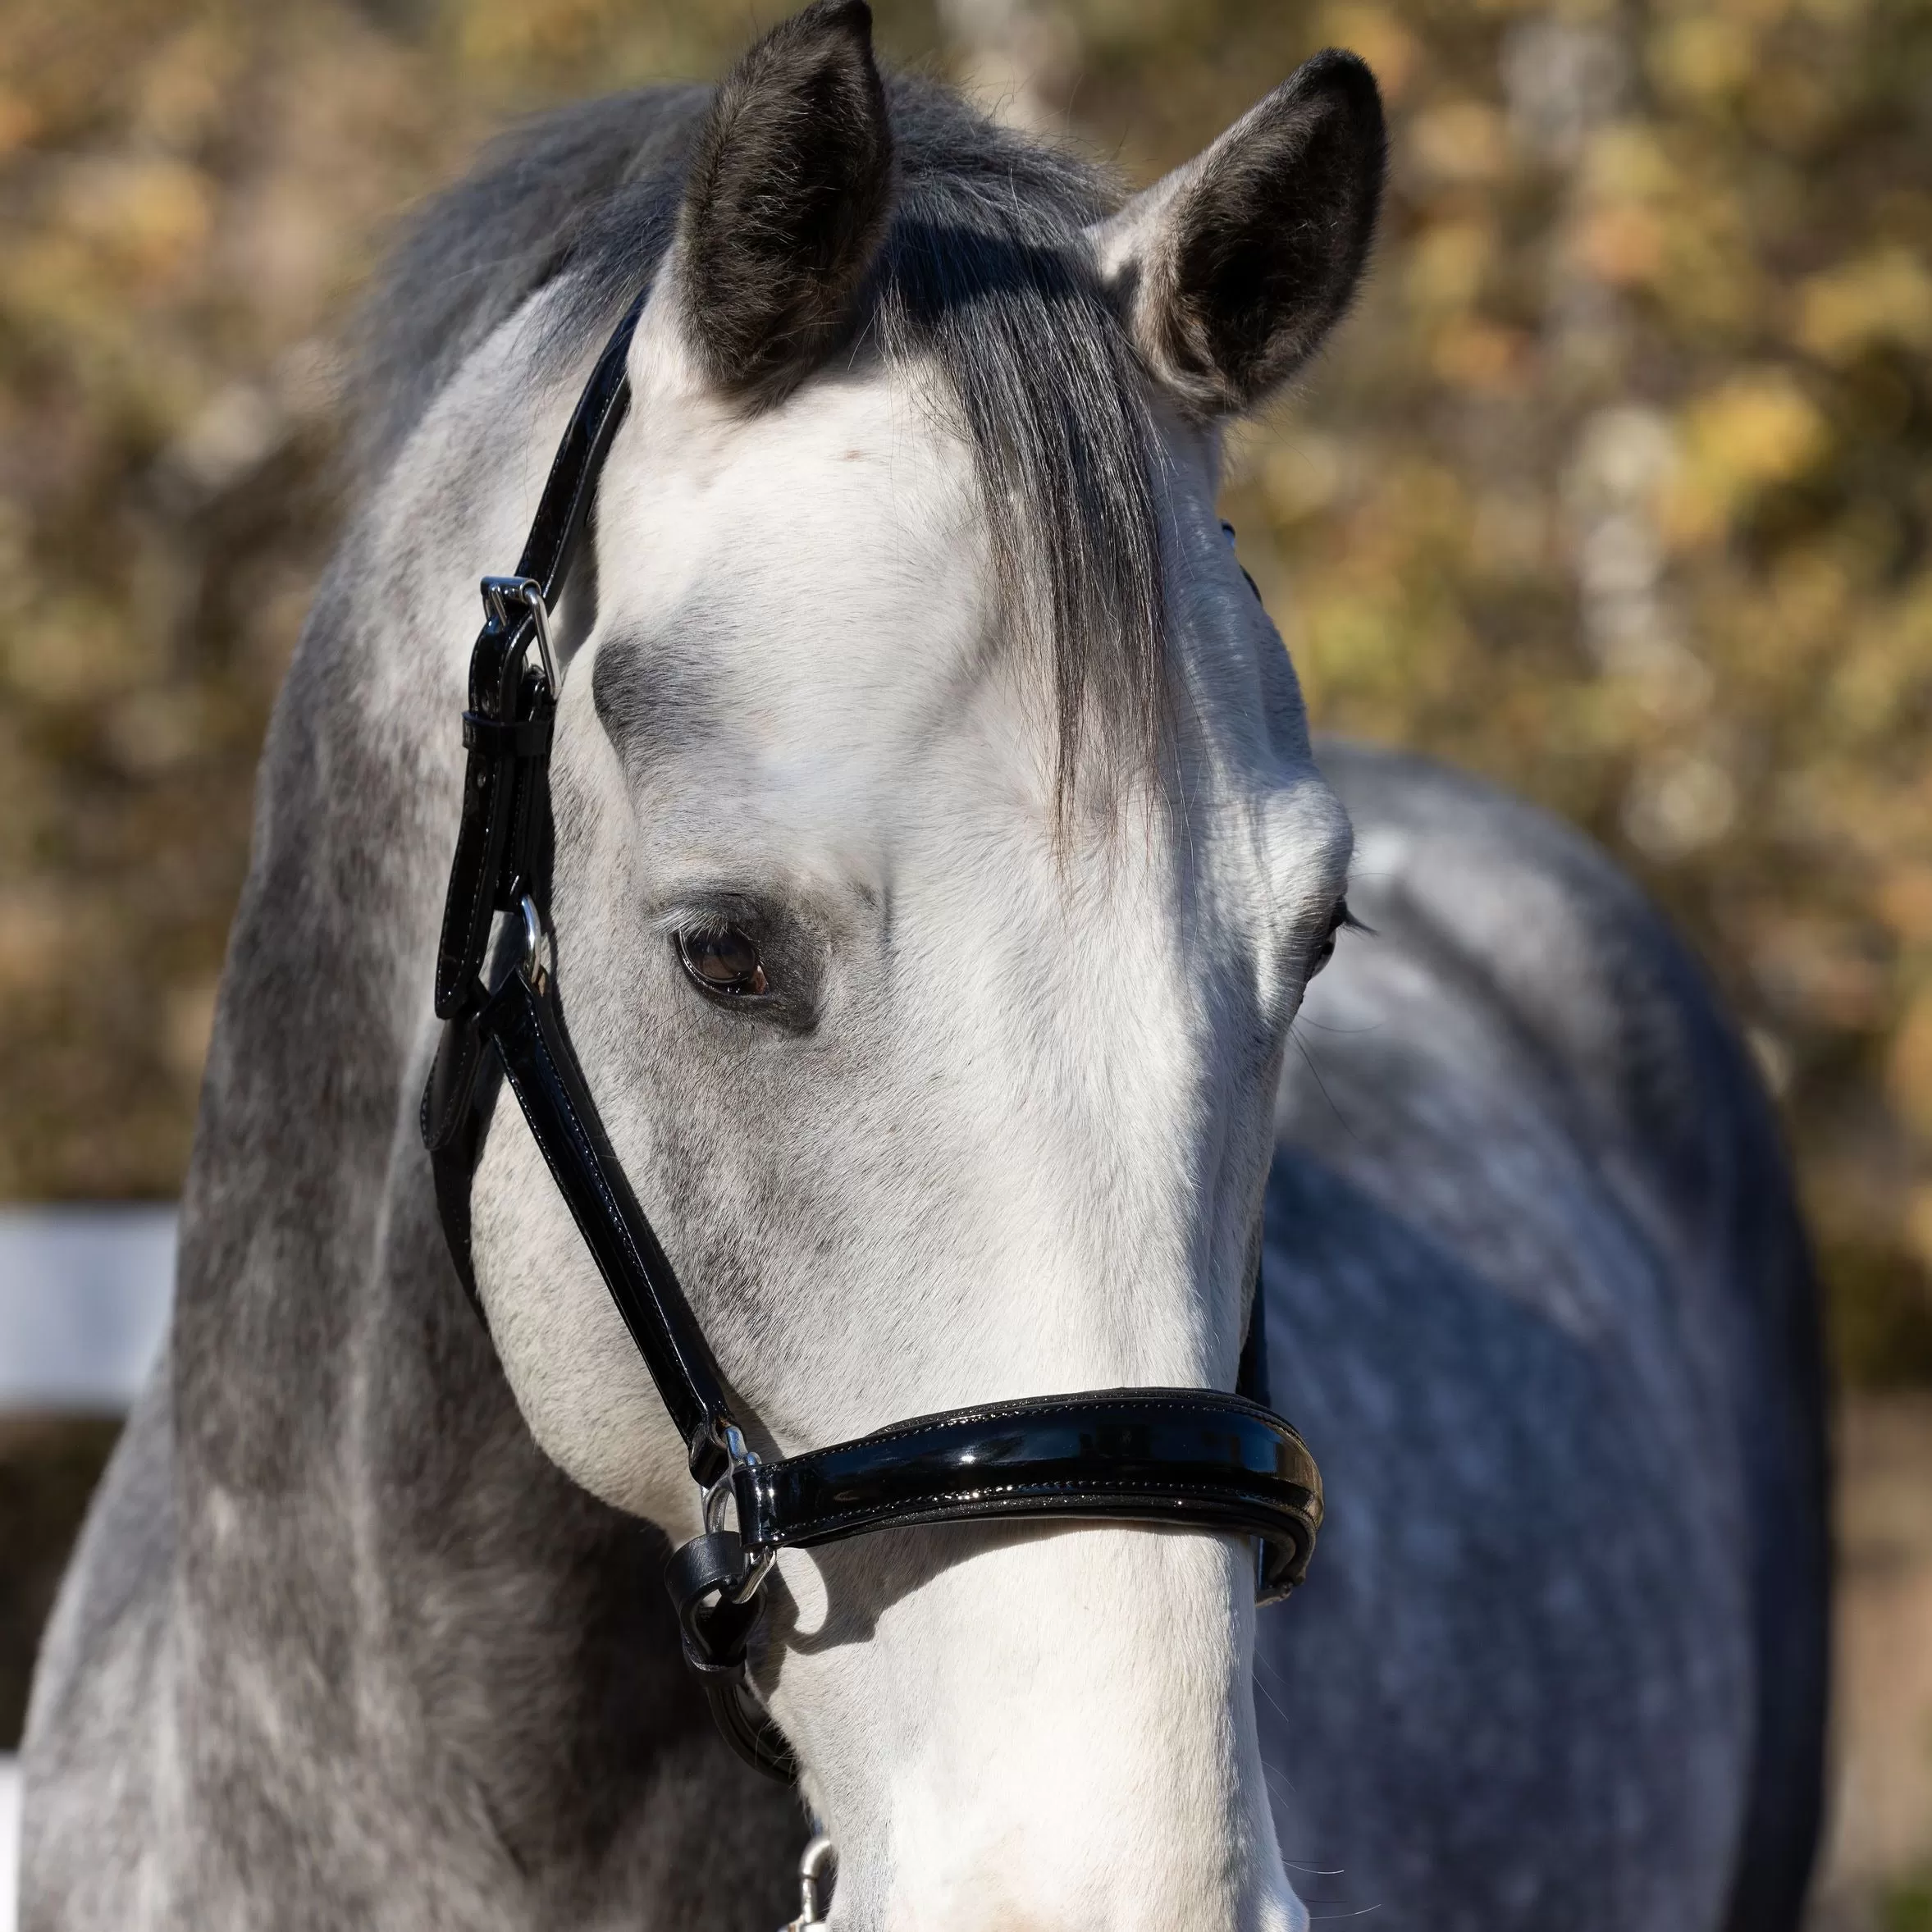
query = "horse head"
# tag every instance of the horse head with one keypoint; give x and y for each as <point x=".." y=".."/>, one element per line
<point x="939" y="863"/>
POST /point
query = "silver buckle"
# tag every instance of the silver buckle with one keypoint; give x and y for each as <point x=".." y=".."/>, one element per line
<point x="501" y="591"/>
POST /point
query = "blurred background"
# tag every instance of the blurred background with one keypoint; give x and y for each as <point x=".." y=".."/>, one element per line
<point x="1617" y="487"/>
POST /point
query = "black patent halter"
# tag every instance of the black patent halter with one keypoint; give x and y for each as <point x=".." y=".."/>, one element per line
<point x="1192" y="1458"/>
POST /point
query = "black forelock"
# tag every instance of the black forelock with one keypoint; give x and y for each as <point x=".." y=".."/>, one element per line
<point x="982" y="270"/>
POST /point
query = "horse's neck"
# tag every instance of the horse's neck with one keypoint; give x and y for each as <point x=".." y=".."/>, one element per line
<point x="411" y="1638"/>
<point x="323" y="1018"/>
<point x="340" y="1418"/>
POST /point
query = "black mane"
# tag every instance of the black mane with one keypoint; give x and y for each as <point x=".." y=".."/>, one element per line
<point x="982" y="270"/>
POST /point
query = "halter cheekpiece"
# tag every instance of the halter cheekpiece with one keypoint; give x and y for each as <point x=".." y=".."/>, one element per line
<point x="1192" y="1458"/>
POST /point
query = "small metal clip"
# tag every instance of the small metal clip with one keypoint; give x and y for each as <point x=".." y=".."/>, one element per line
<point x="819" y="1858"/>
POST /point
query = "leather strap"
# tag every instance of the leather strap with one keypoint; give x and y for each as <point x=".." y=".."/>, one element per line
<point x="717" y="1634"/>
<point x="1193" y="1457"/>
<point x="565" y="505"/>
<point x="527" y="1029"/>
<point x="507" y="725"/>
<point x="503" y="841"/>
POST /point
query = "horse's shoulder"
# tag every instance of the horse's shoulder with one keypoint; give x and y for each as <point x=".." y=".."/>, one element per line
<point x="1530" y="1219"/>
<point x="1535" y="925"/>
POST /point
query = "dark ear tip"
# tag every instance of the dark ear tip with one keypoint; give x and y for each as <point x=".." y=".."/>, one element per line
<point x="841" y="30"/>
<point x="1339" y="72"/>
<point x="1336" y="71"/>
<point x="1342" y="66"/>
<point x="1335" y="81"/>
<point x="850" y="16"/>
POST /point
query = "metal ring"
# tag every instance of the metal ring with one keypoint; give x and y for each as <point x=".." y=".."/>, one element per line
<point x="739" y="1456"/>
<point x="729" y="1437"/>
<point x="819" y="1856"/>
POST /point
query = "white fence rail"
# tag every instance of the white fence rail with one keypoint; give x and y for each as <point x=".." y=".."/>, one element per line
<point x="83" y="1301"/>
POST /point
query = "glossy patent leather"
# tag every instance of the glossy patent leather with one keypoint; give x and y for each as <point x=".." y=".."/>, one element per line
<point x="527" y="1031"/>
<point x="1196" y="1459"/>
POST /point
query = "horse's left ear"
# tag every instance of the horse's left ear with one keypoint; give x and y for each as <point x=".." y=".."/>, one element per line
<point x="1232" y="269"/>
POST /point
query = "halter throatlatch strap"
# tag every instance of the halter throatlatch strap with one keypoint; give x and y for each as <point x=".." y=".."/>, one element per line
<point x="1189" y="1459"/>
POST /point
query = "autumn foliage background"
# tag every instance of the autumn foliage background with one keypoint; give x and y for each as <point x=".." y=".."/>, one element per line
<point x="1615" y="487"/>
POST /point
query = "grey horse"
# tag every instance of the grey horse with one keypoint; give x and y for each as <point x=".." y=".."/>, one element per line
<point x="942" y="862"/>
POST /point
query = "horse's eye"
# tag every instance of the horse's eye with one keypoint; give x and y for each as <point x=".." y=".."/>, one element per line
<point x="722" y="959"/>
<point x="1325" y="950"/>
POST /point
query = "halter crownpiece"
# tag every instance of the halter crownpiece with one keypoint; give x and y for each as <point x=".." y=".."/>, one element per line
<point x="1189" y="1459"/>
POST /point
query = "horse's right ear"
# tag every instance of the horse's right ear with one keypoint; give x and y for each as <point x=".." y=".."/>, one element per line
<point x="789" y="191"/>
<point x="1231" y="269"/>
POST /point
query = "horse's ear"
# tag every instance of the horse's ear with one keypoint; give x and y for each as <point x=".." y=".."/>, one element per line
<point x="1232" y="268"/>
<point x="789" y="190"/>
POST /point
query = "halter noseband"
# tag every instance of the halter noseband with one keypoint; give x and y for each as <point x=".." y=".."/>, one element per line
<point x="1193" y="1458"/>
